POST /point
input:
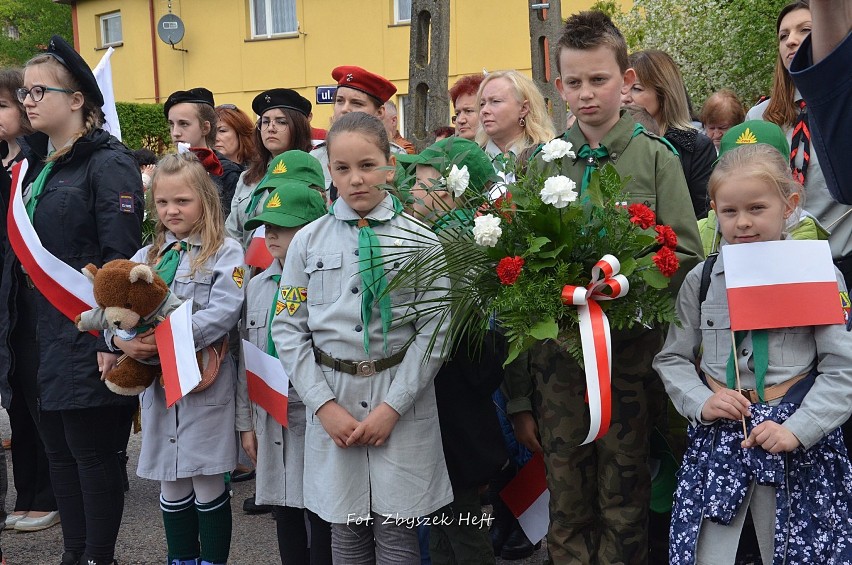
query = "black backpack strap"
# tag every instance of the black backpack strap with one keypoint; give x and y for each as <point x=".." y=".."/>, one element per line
<point x="705" y="277"/>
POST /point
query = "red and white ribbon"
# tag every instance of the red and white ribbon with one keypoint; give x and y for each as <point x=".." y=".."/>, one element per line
<point x="606" y="284"/>
<point x="66" y="288"/>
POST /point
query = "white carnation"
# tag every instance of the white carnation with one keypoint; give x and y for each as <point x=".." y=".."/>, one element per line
<point x="559" y="191"/>
<point x="556" y="149"/>
<point x="458" y="180"/>
<point x="486" y="230"/>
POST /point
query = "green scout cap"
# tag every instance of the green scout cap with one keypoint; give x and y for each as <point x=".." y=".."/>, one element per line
<point x="755" y="131"/>
<point x="291" y="166"/>
<point x="291" y="205"/>
<point x="456" y="151"/>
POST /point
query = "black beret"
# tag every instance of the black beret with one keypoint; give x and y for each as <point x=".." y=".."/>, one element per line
<point x="280" y="98"/>
<point x="71" y="60"/>
<point x="194" y="95"/>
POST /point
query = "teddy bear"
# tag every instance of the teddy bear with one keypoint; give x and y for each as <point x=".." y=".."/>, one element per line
<point x="131" y="299"/>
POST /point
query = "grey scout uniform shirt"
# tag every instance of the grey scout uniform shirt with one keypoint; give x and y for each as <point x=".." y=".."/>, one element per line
<point x="196" y="435"/>
<point x="280" y="451"/>
<point x="407" y="475"/>
<point x="792" y="352"/>
<point x="236" y="220"/>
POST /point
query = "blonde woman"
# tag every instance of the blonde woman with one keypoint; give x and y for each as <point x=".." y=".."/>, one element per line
<point x="660" y="90"/>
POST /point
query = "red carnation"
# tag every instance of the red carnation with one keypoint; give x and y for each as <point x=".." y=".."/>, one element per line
<point x="666" y="262"/>
<point x="642" y="215"/>
<point x="666" y="236"/>
<point x="509" y="269"/>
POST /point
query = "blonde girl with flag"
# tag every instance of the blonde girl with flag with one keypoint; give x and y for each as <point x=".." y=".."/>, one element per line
<point x="360" y="358"/>
<point x="789" y="467"/>
<point x="191" y="445"/>
<point x="81" y="195"/>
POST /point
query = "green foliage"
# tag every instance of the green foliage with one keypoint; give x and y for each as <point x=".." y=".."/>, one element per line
<point x="717" y="43"/>
<point x="143" y="125"/>
<point x="35" y="21"/>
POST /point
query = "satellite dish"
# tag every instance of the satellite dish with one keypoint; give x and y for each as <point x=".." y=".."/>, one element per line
<point x="170" y="28"/>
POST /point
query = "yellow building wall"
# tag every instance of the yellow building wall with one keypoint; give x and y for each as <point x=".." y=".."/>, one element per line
<point x="221" y="56"/>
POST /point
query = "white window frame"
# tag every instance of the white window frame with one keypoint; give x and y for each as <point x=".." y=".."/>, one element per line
<point x="396" y="15"/>
<point x="267" y="5"/>
<point x="103" y="19"/>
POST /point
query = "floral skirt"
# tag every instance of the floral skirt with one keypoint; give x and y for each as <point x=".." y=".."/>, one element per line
<point x="813" y="491"/>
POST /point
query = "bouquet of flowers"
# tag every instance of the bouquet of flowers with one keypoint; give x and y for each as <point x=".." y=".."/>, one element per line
<point x="541" y="255"/>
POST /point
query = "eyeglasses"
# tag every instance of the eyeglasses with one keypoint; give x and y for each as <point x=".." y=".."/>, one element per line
<point x="264" y="123"/>
<point x="37" y="92"/>
<point x="468" y="112"/>
<point x="227" y="107"/>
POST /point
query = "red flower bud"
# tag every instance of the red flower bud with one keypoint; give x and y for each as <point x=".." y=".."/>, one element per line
<point x="666" y="261"/>
<point x="509" y="269"/>
<point x="642" y="215"/>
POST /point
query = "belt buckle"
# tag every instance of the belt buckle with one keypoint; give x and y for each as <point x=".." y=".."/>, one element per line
<point x="365" y="368"/>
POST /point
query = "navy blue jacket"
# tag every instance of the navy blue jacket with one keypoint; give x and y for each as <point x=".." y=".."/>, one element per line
<point x="90" y="211"/>
<point x="827" y="89"/>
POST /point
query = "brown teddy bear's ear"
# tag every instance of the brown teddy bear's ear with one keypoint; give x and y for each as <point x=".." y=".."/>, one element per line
<point x="142" y="272"/>
<point x="90" y="271"/>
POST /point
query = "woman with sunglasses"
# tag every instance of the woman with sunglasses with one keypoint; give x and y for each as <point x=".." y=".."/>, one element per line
<point x="283" y="125"/>
<point x="82" y="192"/>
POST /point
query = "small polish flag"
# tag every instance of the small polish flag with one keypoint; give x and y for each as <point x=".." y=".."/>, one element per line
<point x="529" y="500"/>
<point x="257" y="254"/>
<point x="177" y="353"/>
<point x="779" y="284"/>
<point x="268" y="384"/>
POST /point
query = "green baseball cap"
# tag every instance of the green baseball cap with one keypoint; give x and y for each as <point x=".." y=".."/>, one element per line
<point x="291" y="205"/>
<point x="293" y="166"/>
<point x="755" y="131"/>
<point x="456" y="151"/>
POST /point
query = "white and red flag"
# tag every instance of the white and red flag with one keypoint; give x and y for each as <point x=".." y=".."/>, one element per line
<point x="268" y="383"/>
<point x="66" y="288"/>
<point x="779" y="284"/>
<point x="176" y="347"/>
<point x="257" y="254"/>
<point x="528" y="498"/>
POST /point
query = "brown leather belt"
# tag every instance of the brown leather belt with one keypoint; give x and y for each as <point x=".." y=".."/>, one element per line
<point x="359" y="368"/>
<point x="770" y="393"/>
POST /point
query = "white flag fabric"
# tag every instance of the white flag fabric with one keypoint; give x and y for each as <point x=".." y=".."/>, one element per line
<point x="176" y="347"/>
<point x="103" y="74"/>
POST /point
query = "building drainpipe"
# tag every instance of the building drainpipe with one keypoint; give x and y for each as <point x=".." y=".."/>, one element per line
<point x="153" y="51"/>
<point x="74" y="29"/>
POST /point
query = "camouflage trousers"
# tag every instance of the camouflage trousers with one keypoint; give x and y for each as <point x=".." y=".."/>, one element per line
<point x="600" y="492"/>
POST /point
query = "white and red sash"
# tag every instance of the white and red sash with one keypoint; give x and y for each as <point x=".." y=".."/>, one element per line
<point x="66" y="288"/>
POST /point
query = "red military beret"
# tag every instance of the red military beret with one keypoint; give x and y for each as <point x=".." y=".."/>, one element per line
<point x="376" y="86"/>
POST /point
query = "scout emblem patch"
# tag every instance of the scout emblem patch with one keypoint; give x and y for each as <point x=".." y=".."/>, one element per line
<point x="746" y="137"/>
<point x="292" y="296"/>
<point x="846" y="305"/>
<point x="238" y="275"/>
<point x="125" y="203"/>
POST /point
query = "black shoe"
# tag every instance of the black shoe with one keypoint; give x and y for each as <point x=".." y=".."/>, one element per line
<point x="249" y="507"/>
<point x="499" y="534"/>
<point x="517" y="546"/>
<point x="70" y="558"/>
<point x="240" y="476"/>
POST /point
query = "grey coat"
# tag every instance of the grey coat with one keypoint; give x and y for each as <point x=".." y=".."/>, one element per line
<point x="280" y="451"/>
<point x="407" y="476"/>
<point x="196" y="435"/>
<point x="792" y="352"/>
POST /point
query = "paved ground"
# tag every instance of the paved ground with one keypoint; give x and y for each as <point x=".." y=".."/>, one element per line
<point x="141" y="540"/>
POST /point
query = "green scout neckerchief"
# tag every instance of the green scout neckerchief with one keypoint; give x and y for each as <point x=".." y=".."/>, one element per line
<point x="257" y="194"/>
<point x="760" y="351"/>
<point x="455" y="218"/>
<point x="169" y="261"/>
<point x="270" y="345"/>
<point x="38" y="187"/>
<point x="372" y="273"/>
<point x="590" y="156"/>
